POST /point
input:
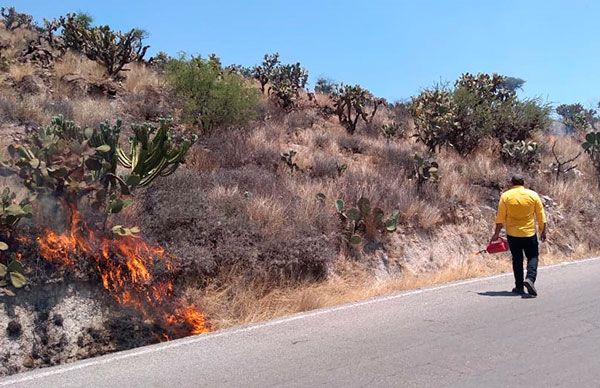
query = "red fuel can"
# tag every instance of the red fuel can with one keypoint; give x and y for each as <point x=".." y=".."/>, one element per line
<point x="500" y="245"/>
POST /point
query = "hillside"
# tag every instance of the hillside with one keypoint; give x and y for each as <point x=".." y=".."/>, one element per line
<point x="248" y="223"/>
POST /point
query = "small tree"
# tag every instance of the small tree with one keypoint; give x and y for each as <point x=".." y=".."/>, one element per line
<point x="212" y="97"/>
<point x="351" y="103"/>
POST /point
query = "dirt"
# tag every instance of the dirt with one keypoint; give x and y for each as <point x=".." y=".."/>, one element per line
<point x="58" y="323"/>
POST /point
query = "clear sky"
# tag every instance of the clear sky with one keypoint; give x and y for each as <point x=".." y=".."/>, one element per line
<point x="393" y="48"/>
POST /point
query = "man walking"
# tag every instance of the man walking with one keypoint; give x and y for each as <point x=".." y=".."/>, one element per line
<point x="518" y="211"/>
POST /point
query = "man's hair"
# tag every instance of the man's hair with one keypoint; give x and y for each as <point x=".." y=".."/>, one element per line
<point x="517" y="180"/>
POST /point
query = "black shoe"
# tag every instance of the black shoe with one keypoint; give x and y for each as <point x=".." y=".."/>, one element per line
<point x="530" y="287"/>
<point x="518" y="291"/>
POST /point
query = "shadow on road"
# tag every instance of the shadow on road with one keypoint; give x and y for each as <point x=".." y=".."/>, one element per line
<point x="498" y="293"/>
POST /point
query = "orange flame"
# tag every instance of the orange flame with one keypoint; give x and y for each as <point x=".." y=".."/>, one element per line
<point x="128" y="268"/>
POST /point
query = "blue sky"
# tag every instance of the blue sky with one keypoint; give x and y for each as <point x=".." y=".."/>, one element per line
<point x="393" y="48"/>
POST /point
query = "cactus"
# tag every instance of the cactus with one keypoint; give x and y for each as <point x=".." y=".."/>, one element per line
<point x="287" y="82"/>
<point x="365" y="220"/>
<point x="13" y="19"/>
<point x="520" y="152"/>
<point x="434" y="113"/>
<point x="72" y="162"/>
<point x="351" y="103"/>
<point x="591" y="146"/>
<point x="288" y="159"/>
<point x="152" y="153"/>
<point x="114" y="49"/>
<point x="13" y="273"/>
<point x="575" y="117"/>
<point x="265" y="71"/>
<point x="426" y="170"/>
<point x="10" y="212"/>
<point x="392" y="130"/>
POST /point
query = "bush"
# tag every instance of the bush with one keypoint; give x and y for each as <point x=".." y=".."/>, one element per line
<point x="212" y="97"/>
<point x="286" y="80"/>
<point x="478" y="106"/>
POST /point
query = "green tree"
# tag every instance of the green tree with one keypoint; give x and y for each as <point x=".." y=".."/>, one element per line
<point x="213" y="97"/>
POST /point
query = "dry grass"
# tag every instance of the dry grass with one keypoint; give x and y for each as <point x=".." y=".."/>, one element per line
<point x="139" y="77"/>
<point x="15" y="40"/>
<point x="231" y="299"/>
<point x="73" y="63"/>
<point x="18" y="71"/>
<point x="89" y="112"/>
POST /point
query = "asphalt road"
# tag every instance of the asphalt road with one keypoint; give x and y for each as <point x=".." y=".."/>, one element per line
<point x="469" y="334"/>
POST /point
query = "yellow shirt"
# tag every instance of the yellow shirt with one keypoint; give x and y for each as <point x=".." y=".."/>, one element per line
<point x="518" y="210"/>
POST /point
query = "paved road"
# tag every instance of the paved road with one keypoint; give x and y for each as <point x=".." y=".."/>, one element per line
<point x="470" y="334"/>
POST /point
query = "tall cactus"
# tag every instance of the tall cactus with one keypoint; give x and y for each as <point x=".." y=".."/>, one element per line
<point x="151" y="156"/>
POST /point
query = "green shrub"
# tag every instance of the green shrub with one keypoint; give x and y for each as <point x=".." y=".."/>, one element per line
<point x="213" y="98"/>
<point x="478" y="106"/>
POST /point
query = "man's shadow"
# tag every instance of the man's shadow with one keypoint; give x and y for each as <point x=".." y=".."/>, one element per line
<point x="504" y="293"/>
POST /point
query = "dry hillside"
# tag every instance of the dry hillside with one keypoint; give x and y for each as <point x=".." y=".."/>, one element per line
<point x="251" y="228"/>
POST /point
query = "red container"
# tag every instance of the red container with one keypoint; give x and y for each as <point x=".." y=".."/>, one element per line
<point x="500" y="245"/>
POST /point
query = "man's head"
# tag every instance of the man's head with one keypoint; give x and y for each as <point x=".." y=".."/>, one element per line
<point x="517" y="180"/>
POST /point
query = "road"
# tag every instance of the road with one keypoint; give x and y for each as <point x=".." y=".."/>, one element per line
<point x="466" y="334"/>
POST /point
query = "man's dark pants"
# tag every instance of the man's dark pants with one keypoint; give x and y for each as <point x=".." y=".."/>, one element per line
<point x="529" y="245"/>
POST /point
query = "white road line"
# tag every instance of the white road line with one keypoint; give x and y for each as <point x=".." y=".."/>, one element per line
<point x="36" y="375"/>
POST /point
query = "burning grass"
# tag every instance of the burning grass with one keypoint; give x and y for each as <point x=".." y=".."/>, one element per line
<point x="135" y="273"/>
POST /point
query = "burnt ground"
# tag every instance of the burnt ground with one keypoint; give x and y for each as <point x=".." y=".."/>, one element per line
<point x="57" y="323"/>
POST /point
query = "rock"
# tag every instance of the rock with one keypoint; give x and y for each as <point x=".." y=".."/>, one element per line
<point x="57" y="319"/>
<point x="81" y="84"/>
<point x="28" y="362"/>
<point x="14" y="329"/>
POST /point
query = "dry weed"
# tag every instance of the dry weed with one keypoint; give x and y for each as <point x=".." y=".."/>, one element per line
<point x="138" y="77"/>
<point x="90" y="112"/>
<point x="73" y="63"/>
<point x="18" y="71"/>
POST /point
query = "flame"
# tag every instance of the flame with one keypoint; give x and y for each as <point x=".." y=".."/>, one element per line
<point x="133" y="271"/>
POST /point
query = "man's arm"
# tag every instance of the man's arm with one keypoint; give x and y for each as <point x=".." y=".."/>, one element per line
<point x="500" y="219"/>
<point x="540" y="216"/>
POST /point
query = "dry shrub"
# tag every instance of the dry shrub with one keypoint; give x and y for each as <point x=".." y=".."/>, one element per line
<point x="26" y="109"/>
<point x="16" y="41"/>
<point x="89" y="112"/>
<point x="139" y="77"/>
<point x="325" y="166"/>
<point x="353" y="144"/>
<point x="239" y="217"/>
<point x="201" y="159"/>
<point x="148" y="104"/>
<point x="73" y="63"/>
<point x="18" y="71"/>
